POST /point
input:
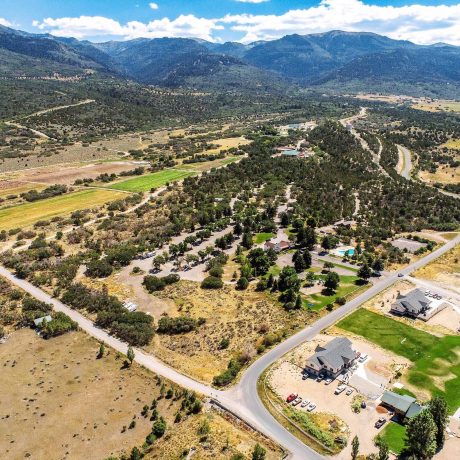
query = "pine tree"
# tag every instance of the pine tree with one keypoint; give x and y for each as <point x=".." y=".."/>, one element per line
<point x="440" y="413"/>
<point x="421" y="436"/>
<point x="355" y="448"/>
<point x="130" y="355"/>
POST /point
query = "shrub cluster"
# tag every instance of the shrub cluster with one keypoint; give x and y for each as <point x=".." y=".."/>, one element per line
<point x="136" y="328"/>
<point x="155" y="283"/>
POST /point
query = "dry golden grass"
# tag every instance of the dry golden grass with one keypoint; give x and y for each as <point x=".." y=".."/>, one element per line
<point x="438" y="106"/>
<point x="62" y="402"/>
<point x="445" y="269"/>
<point x="453" y="144"/>
<point x="443" y="175"/>
<point x="224" y="441"/>
<point x="241" y="316"/>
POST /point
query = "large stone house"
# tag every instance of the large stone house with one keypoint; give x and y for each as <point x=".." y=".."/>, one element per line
<point x="416" y="304"/>
<point x="332" y="358"/>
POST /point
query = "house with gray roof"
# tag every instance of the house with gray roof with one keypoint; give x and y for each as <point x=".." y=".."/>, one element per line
<point x="403" y="405"/>
<point x="416" y="304"/>
<point x="332" y="358"/>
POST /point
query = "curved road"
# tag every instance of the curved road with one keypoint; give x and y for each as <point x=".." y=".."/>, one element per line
<point x="243" y="399"/>
<point x="405" y="162"/>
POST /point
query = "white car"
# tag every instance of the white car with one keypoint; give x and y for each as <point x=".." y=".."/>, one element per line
<point x="340" y="389"/>
<point x="349" y="391"/>
<point x="362" y="358"/>
<point x="311" y="406"/>
<point x="296" y="401"/>
<point x="328" y="381"/>
<point x="305" y="403"/>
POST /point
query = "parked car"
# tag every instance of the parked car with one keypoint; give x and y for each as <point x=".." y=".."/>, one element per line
<point x="291" y="397"/>
<point x="349" y="391"/>
<point x="304" y="376"/>
<point x="380" y="422"/>
<point x="328" y="381"/>
<point x="319" y="378"/>
<point x="305" y="403"/>
<point x="400" y="275"/>
<point x="340" y="389"/>
<point x="296" y="401"/>
<point x="362" y="358"/>
<point x="311" y="406"/>
<point x="363" y="405"/>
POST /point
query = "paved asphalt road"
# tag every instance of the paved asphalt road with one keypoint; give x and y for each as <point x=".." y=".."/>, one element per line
<point x="243" y="398"/>
<point x="407" y="162"/>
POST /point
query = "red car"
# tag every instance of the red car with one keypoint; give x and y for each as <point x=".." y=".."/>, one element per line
<point x="291" y="397"/>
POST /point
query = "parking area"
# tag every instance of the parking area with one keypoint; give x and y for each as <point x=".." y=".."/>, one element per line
<point x="366" y="381"/>
<point x="287" y="379"/>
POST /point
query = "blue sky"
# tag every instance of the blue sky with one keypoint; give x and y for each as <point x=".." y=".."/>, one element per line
<point x="422" y="21"/>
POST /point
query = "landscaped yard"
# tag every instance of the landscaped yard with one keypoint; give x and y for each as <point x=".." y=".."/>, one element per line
<point x="26" y="214"/>
<point x="394" y="435"/>
<point x="149" y="181"/>
<point x="262" y="237"/>
<point x="436" y="360"/>
<point x="346" y="287"/>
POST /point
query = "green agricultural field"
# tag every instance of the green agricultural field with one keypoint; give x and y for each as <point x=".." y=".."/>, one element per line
<point x="346" y="288"/>
<point x="149" y="181"/>
<point x="394" y="435"/>
<point x="436" y="360"/>
<point x="27" y="214"/>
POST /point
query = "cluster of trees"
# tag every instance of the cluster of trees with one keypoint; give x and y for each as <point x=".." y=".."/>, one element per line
<point x="59" y="324"/>
<point x="48" y="192"/>
<point x="136" y="328"/>
<point x="233" y="368"/>
<point x="424" y="434"/>
<point x="156" y="283"/>
<point x="215" y="267"/>
<point x="179" y="325"/>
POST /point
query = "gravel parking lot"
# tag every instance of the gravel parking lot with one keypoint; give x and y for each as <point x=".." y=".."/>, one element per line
<point x="287" y="379"/>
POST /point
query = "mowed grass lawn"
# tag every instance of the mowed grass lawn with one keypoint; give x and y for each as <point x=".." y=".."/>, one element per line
<point x="394" y="435"/>
<point x="262" y="237"/>
<point x="347" y="287"/>
<point x="436" y="360"/>
<point x="27" y="214"/>
<point x="149" y="181"/>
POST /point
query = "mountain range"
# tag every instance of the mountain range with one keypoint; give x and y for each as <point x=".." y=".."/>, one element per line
<point x="334" y="58"/>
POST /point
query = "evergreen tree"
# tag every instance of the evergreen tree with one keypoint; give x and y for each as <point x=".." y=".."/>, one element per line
<point x="421" y="436"/>
<point x="258" y="453"/>
<point x="355" y="448"/>
<point x="440" y="413"/>
<point x="130" y="355"/>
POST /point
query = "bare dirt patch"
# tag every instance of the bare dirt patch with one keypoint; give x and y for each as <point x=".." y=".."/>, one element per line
<point x="68" y="175"/>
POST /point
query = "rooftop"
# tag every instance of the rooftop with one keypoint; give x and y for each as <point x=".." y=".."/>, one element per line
<point x="335" y="354"/>
<point x="399" y="402"/>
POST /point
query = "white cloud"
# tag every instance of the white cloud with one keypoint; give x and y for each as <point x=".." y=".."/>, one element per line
<point x="419" y="23"/>
<point x="98" y="26"/>
<point x="252" y="1"/>
<point x="153" y="5"/>
<point x="4" y="22"/>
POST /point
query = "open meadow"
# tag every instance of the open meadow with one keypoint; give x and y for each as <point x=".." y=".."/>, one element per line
<point x="438" y="106"/>
<point x="247" y="319"/>
<point x="149" y="181"/>
<point x="436" y="360"/>
<point x="27" y="214"/>
<point x="102" y="403"/>
<point x="445" y="270"/>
